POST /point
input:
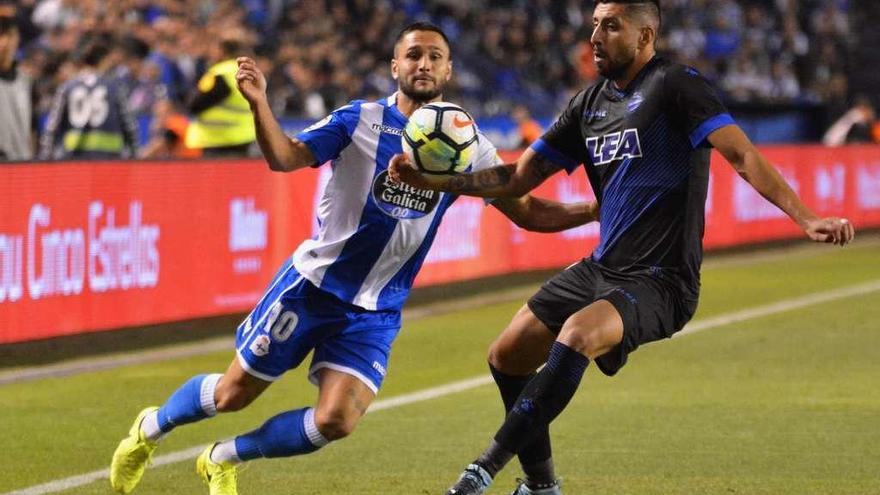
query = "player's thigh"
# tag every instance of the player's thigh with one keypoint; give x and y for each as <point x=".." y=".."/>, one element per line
<point x="343" y="399"/>
<point x="566" y="293"/>
<point x="594" y="330"/>
<point x="291" y="319"/>
<point x="237" y="388"/>
<point x="523" y="346"/>
<point x="651" y="308"/>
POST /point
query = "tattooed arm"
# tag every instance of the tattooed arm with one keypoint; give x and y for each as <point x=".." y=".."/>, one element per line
<point x="544" y="215"/>
<point x="510" y="180"/>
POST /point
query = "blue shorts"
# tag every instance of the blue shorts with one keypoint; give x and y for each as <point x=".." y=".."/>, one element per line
<point x="295" y="317"/>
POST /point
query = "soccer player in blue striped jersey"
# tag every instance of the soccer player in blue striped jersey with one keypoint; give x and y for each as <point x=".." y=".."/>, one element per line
<point x="643" y="133"/>
<point x="341" y="292"/>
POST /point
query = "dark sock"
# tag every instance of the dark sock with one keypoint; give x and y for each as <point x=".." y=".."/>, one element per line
<point x="536" y="457"/>
<point x="543" y="398"/>
<point x="540" y="474"/>
<point x="494" y="458"/>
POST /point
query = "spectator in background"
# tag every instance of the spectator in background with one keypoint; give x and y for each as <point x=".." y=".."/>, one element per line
<point x="782" y="85"/>
<point x="223" y="126"/>
<point x="511" y="52"/>
<point x="722" y="40"/>
<point x="168" y="134"/>
<point x="688" y="40"/>
<point x="529" y="129"/>
<point x="148" y="88"/>
<point x="89" y="118"/>
<point x="131" y="53"/>
<point x="858" y="125"/>
<point x="18" y="119"/>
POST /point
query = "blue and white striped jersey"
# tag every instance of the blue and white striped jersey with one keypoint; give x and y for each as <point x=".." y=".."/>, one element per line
<point x="373" y="235"/>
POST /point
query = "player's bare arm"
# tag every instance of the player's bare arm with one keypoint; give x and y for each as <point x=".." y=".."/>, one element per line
<point x="751" y="165"/>
<point x="283" y="153"/>
<point x="510" y="180"/>
<point x="544" y="215"/>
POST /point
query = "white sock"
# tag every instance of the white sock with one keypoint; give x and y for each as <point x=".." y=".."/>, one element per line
<point x="225" y="452"/>
<point x="312" y="432"/>
<point x="206" y="395"/>
<point x="150" y="427"/>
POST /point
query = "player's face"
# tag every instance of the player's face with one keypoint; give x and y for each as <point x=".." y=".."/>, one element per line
<point x="615" y="40"/>
<point x="421" y="65"/>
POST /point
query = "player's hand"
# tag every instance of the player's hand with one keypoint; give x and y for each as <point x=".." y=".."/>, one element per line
<point x="401" y="169"/>
<point x="833" y="230"/>
<point x="250" y="80"/>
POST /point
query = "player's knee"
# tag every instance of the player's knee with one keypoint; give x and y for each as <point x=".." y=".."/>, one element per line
<point x="334" y="424"/>
<point x="591" y="342"/>
<point x="499" y="355"/>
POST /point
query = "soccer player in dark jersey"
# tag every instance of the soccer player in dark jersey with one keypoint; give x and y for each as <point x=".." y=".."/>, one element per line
<point x="644" y="134"/>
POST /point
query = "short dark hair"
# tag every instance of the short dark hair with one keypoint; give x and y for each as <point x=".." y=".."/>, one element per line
<point x="134" y="47"/>
<point x="93" y="48"/>
<point x="231" y="47"/>
<point x="422" y="26"/>
<point x="652" y="5"/>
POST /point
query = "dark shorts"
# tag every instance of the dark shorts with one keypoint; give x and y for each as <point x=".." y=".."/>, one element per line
<point x="651" y="305"/>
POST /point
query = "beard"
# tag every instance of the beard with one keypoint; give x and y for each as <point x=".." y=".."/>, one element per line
<point x="408" y="87"/>
<point x="614" y="69"/>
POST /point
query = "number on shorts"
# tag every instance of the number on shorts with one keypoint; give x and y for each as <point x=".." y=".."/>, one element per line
<point x="281" y="324"/>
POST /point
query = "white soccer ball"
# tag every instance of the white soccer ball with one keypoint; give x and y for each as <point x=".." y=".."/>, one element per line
<point x="440" y="139"/>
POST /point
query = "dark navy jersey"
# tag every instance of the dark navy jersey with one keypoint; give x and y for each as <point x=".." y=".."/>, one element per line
<point x="89" y="119"/>
<point x="647" y="158"/>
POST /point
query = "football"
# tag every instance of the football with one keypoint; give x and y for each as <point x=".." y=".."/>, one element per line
<point x="441" y="139"/>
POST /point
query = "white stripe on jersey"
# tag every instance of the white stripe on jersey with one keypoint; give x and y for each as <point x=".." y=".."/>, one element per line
<point x="344" y="198"/>
<point x="341" y="212"/>
<point x="407" y="238"/>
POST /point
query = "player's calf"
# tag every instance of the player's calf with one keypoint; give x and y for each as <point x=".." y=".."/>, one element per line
<point x="287" y="434"/>
<point x="335" y="423"/>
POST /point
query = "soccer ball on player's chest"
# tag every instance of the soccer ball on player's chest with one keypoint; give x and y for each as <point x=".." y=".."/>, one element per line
<point x="440" y="138"/>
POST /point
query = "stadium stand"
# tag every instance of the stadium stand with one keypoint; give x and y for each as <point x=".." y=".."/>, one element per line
<point x="321" y="53"/>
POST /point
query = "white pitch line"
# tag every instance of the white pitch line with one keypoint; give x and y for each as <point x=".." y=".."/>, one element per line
<point x="191" y="453"/>
<point x="470" y="383"/>
<point x="780" y="307"/>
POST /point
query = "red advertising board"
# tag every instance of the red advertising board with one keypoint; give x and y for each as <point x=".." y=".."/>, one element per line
<point x="95" y="246"/>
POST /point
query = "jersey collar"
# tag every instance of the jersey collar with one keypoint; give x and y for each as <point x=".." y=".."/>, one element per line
<point x="616" y="94"/>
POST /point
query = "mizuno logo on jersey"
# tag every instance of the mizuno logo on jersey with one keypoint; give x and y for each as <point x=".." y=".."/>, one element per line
<point x="387" y="129"/>
<point x="615" y="146"/>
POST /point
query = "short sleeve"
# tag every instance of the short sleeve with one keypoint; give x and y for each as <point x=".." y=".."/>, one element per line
<point x="487" y="157"/>
<point x="487" y="154"/>
<point x="563" y="144"/>
<point x="329" y="136"/>
<point x="693" y="100"/>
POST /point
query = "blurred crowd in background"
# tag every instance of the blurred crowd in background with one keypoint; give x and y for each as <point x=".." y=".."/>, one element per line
<point x="319" y="54"/>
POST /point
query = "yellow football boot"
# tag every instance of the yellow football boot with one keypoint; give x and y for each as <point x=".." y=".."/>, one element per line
<point x="220" y="477"/>
<point x="131" y="457"/>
